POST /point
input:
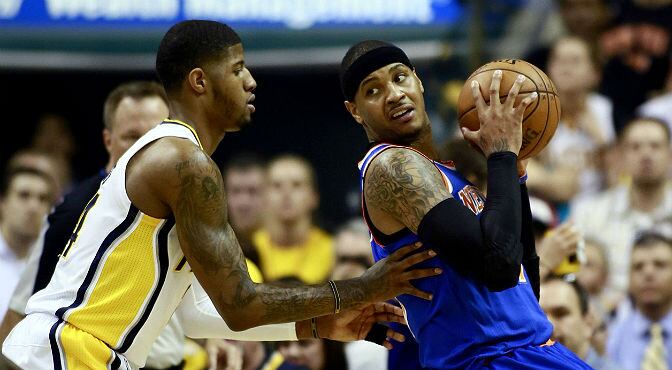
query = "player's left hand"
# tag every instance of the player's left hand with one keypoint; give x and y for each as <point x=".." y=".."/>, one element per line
<point x="356" y="323"/>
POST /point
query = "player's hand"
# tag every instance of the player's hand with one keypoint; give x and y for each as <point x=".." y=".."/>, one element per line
<point x="355" y="324"/>
<point x="521" y="164"/>
<point x="501" y="123"/>
<point x="392" y="276"/>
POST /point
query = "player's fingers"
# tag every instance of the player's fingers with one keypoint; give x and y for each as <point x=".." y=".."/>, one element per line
<point x="416" y="258"/>
<point x="396" y="336"/>
<point x="478" y="97"/>
<point x="387" y="317"/>
<point x="494" y="88"/>
<point x="469" y="135"/>
<point x="520" y="109"/>
<point x="513" y="92"/>
<point x="390" y="308"/>
<point x="419" y="293"/>
<point x="421" y="273"/>
<point x="403" y="251"/>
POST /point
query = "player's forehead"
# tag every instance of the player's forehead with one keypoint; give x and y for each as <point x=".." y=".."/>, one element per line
<point x="384" y="72"/>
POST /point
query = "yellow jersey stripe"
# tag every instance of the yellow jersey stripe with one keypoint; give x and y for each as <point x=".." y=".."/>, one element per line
<point x="126" y="280"/>
<point x="188" y="127"/>
<point x="82" y="350"/>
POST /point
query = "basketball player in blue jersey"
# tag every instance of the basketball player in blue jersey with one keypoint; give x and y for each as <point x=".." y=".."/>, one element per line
<point x="484" y="314"/>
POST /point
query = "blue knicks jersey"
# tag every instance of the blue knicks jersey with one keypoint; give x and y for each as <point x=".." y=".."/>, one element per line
<point x="465" y="322"/>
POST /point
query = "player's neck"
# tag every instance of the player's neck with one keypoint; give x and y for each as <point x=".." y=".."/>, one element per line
<point x="19" y="244"/>
<point x="647" y="197"/>
<point x="209" y="135"/>
<point x="424" y="144"/>
<point x="582" y="352"/>
<point x="289" y="233"/>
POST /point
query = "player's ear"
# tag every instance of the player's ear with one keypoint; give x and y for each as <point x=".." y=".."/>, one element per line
<point x="196" y="79"/>
<point x="422" y="88"/>
<point x="107" y="139"/>
<point x="352" y="108"/>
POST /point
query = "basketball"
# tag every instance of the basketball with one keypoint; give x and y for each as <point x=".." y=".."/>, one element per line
<point x="540" y="118"/>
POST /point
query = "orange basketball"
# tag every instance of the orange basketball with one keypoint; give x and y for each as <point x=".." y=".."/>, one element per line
<point x="541" y="117"/>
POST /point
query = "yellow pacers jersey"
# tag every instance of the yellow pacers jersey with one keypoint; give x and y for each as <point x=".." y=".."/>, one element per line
<point x="311" y="261"/>
<point x="120" y="277"/>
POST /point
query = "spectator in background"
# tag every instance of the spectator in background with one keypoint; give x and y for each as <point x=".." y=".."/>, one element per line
<point x="659" y="107"/>
<point x="245" y="184"/>
<point x="26" y="196"/>
<point x="568" y="166"/>
<point x="566" y="305"/>
<point x="615" y="216"/>
<point x="289" y="244"/>
<point x="56" y="167"/>
<point x="585" y="19"/>
<point x="54" y="136"/>
<point x="314" y="354"/>
<point x="636" y="49"/>
<point x="593" y="276"/>
<point x="643" y="338"/>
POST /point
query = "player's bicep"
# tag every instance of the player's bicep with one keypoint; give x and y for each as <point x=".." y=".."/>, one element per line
<point x="208" y="241"/>
<point x="405" y="185"/>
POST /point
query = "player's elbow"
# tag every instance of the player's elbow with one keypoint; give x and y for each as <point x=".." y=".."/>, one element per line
<point x="502" y="274"/>
<point x="239" y="321"/>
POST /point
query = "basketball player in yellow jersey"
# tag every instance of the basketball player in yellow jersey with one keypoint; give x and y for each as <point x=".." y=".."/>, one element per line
<point x="161" y="214"/>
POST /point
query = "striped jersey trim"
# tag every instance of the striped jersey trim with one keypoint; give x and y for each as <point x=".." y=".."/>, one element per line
<point x="177" y="122"/>
<point x="105" y="245"/>
<point x="163" y="265"/>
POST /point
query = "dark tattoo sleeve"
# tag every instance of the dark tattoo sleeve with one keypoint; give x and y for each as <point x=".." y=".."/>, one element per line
<point x="213" y="252"/>
<point x="404" y="184"/>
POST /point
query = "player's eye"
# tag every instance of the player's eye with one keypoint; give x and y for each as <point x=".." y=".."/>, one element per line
<point x="400" y="77"/>
<point x="372" y="91"/>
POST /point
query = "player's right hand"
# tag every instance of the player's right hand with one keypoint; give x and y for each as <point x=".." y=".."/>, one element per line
<point x="501" y="123"/>
<point x="392" y="276"/>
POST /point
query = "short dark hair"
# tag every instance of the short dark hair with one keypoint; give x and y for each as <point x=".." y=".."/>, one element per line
<point x="191" y="44"/>
<point x="244" y="162"/>
<point x="135" y="90"/>
<point x="650" y="237"/>
<point x="636" y="120"/>
<point x="580" y="291"/>
<point x="13" y="172"/>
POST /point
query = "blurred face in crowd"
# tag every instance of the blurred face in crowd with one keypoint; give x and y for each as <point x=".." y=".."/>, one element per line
<point x="132" y="119"/>
<point x="593" y="274"/>
<point x="290" y="194"/>
<point x="584" y="18"/>
<point x="647" y="152"/>
<point x="353" y="254"/>
<point x="54" y="166"/>
<point x="570" y="66"/>
<point x="651" y="275"/>
<point x="561" y="304"/>
<point x="306" y="352"/>
<point x="27" y="202"/>
<point x="245" y="197"/>
<point x="390" y="105"/>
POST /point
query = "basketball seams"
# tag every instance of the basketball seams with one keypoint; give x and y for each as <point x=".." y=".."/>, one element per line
<point x="520" y="92"/>
<point x="548" y="107"/>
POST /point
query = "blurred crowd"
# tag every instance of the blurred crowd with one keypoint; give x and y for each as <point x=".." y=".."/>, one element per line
<point x="601" y="197"/>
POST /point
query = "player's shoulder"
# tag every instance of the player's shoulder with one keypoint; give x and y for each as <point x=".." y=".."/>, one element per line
<point x="175" y="153"/>
<point x="394" y="157"/>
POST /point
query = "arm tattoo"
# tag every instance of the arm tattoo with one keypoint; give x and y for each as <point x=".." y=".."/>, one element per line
<point x="203" y="223"/>
<point x="405" y="185"/>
